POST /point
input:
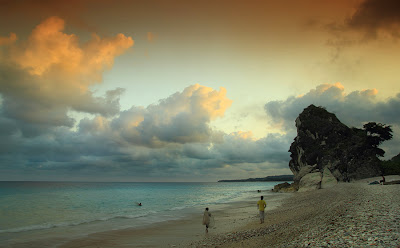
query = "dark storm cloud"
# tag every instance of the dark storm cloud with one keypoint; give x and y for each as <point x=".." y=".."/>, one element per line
<point x="375" y="15"/>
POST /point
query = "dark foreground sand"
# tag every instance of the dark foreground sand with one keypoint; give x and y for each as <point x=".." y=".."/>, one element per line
<point x="348" y="215"/>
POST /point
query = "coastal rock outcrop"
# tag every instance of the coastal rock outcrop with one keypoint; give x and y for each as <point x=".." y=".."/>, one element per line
<point x="325" y="151"/>
<point x="284" y="188"/>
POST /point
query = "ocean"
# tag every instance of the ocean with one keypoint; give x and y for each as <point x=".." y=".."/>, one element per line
<point x="55" y="210"/>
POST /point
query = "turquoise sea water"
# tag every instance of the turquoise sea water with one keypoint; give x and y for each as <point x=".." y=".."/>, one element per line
<point x="29" y="209"/>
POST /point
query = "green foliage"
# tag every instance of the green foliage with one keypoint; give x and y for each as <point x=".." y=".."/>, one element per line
<point x="391" y="167"/>
<point x="396" y="158"/>
<point x="376" y="134"/>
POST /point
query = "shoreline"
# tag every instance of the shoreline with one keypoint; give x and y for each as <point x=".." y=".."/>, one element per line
<point x="348" y="215"/>
<point x="352" y="214"/>
<point x="181" y="233"/>
<point x="168" y="208"/>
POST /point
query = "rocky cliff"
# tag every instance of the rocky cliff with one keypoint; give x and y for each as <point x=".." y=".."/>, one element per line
<point x="326" y="151"/>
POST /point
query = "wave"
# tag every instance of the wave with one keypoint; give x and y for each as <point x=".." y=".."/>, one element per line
<point x="71" y="224"/>
<point x="179" y="208"/>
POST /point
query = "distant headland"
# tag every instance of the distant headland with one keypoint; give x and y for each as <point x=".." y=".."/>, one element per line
<point x="262" y="179"/>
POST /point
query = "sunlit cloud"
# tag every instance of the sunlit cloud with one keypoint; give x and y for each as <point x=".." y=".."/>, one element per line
<point x="50" y="73"/>
<point x="181" y="118"/>
<point x="243" y="135"/>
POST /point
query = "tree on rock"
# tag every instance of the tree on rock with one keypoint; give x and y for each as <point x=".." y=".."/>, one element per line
<point x="376" y="134"/>
<point x="325" y="146"/>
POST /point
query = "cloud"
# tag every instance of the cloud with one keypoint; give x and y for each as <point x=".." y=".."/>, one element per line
<point x="372" y="20"/>
<point x="151" y="37"/>
<point x="240" y="147"/>
<point x="161" y="150"/>
<point x="374" y="16"/>
<point x="49" y="50"/>
<point x="181" y="118"/>
<point x="172" y="139"/>
<point x="353" y="108"/>
<point x="8" y="40"/>
<point x="49" y="74"/>
<point x="169" y="140"/>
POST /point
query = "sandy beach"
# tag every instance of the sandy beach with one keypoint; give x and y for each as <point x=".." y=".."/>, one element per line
<point x="349" y="215"/>
<point x="182" y="233"/>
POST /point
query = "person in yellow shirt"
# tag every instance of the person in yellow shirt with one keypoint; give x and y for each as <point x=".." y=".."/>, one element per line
<point x="261" y="204"/>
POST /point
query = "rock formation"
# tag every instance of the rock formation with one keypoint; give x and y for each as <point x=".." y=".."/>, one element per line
<point x="326" y="151"/>
<point x="284" y="188"/>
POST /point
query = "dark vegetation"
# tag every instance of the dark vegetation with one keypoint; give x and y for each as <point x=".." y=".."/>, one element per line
<point x="263" y="179"/>
<point x="392" y="166"/>
<point x="376" y="134"/>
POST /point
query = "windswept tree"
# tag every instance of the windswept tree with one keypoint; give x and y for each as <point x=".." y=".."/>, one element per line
<point x="376" y="134"/>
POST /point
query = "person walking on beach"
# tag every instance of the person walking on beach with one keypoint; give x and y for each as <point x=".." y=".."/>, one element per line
<point x="383" y="180"/>
<point x="261" y="204"/>
<point x="206" y="219"/>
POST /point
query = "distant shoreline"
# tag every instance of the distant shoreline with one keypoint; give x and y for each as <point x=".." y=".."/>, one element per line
<point x="280" y="178"/>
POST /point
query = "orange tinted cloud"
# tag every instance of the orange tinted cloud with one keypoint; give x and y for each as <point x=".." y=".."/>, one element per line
<point x="211" y="102"/>
<point x="56" y="71"/>
<point x="242" y="135"/>
<point x="324" y="87"/>
<point x="8" y="40"/>
<point x="48" y="48"/>
<point x="52" y="54"/>
<point x="151" y="36"/>
<point x="369" y="92"/>
<point x="204" y="102"/>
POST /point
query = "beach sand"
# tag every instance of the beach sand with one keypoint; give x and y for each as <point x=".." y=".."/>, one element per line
<point x="348" y="215"/>
<point x="182" y="233"/>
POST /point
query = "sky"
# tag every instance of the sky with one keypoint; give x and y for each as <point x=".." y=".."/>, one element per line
<point x="148" y="91"/>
